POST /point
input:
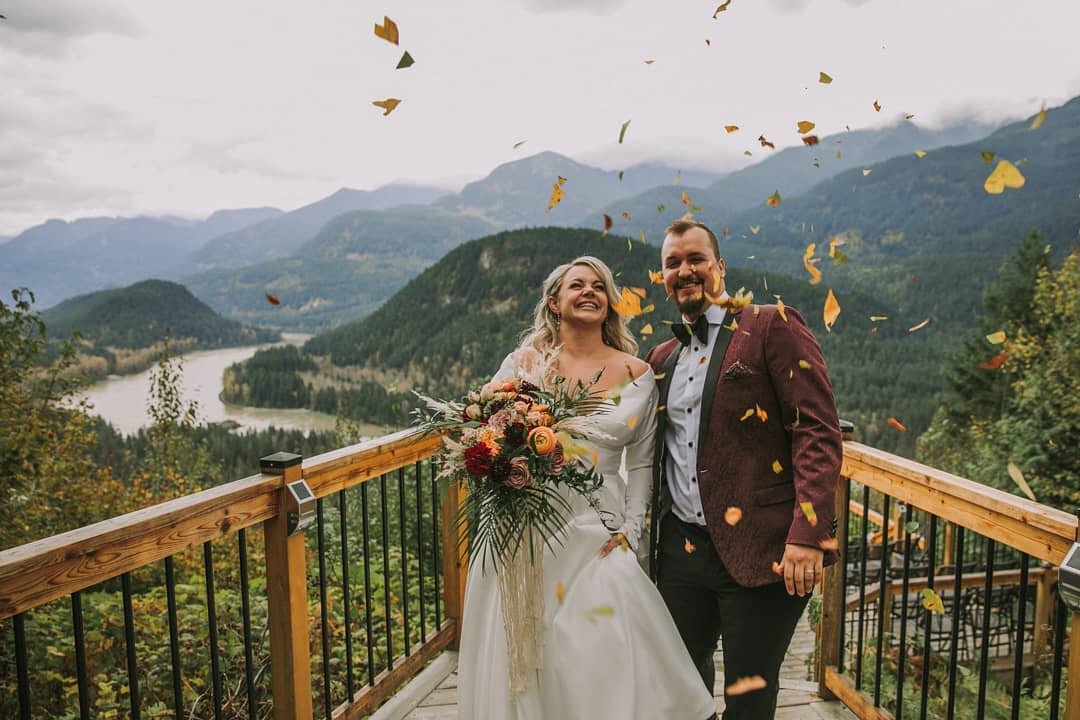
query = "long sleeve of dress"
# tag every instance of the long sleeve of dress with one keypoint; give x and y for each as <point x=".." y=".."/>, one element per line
<point x="639" y="471"/>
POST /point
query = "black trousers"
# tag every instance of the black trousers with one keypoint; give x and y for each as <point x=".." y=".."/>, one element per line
<point x="756" y="624"/>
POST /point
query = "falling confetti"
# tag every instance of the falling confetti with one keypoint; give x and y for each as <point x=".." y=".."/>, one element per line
<point x="599" y="611"/>
<point x="273" y="299"/>
<point x="920" y="326"/>
<point x="774" y="199"/>
<point x="388" y="31"/>
<point x="1039" y="119"/>
<point x="519" y="143"/>
<point x="995" y="362"/>
<point x="831" y="311"/>
<point x="878" y="318"/>
<point x="755" y="229"/>
<point x="656" y="277"/>
<point x="1018" y="478"/>
<point x="988" y="157"/>
<point x="732" y="516"/>
<point x="996" y="338"/>
<point x="808" y="510"/>
<point x="808" y="263"/>
<point x="1005" y="175"/>
<point x="556" y="193"/>
<point x="761" y="414"/>
<point x="629" y="304"/>
<point x="810" y="141"/>
<point x="406" y="61"/>
<point x="931" y="601"/>
<point x="745" y="685"/>
<point x="688" y="546"/>
<point x="804" y="364"/>
<point x="731" y="128"/>
<point x="560" y="591"/>
<point x="747" y="415"/>
<point x="777" y="468"/>
<point x="805" y="126"/>
<point x="877" y="106"/>
<point x="723" y="8"/>
<point x="896" y="424"/>
<point x="607" y="224"/>
<point x="387" y="105"/>
<point x="765" y="143"/>
<point x="824" y="78"/>
<point x="625" y="216"/>
<point x="622" y="131"/>
<point x="647" y="330"/>
<point x="920" y="153"/>
<point x="781" y="309"/>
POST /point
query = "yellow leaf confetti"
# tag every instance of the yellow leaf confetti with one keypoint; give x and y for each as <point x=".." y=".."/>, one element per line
<point x="832" y="310"/>
<point x="622" y="131"/>
<point x="807" y="261"/>
<point x="1018" y="478"/>
<point x="388" y="31"/>
<point x="996" y="338"/>
<point x="632" y="422"/>
<point x="732" y="516"/>
<point x="685" y="199"/>
<point x="878" y="318"/>
<point x="920" y="153"/>
<point x="656" y="277"/>
<point x="1038" y="120"/>
<point x="931" y="601"/>
<point x="781" y="309"/>
<point x="988" y="157"/>
<point x="920" y="326"/>
<point x="723" y="8"/>
<point x="809" y="512"/>
<point x="755" y="229"/>
<point x="556" y="193"/>
<point x="747" y="415"/>
<point x="805" y="126"/>
<point x="777" y="467"/>
<point x="1005" y="175"/>
<point x="824" y="78"/>
<point x="387" y="105"/>
<point x="804" y="364"/>
<point x="647" y="330"/>
<point x="519" y="143"/>
<point x="560" y="591"/>
<point x="731" y="128"/>
<point x="599" y="611"/>
<point x="774" y="199"/>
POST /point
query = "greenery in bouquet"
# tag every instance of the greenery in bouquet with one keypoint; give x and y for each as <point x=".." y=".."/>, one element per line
<point x="519" y="447"/>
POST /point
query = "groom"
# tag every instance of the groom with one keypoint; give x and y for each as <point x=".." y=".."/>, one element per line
<point x="748" y="459"/>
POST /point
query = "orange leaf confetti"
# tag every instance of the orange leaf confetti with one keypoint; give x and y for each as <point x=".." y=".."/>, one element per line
<point x="909" y="116"/>
<point x="920" y="326"/>
<point x="810" y="140"/>
<point x="560" y="591"/>
<point x="774" y="199"/>
<point x="805" y="126"/>
<point x="656" y="277"/>
<point x="745" y="685"/>
<point x="995" y="362"/>
<point x="920" y="153"/>
<point x="607" y="224"/>
<point x="625" y="216"/>
<point x="996" y="338"/>
<point x="835" y="243"/>
<point x="273" y="299"/>
<point x="556" y="193"/>
<point x="894" y="423"/>
<point x="723" y="8"/>
<point x="688" y="546"/>
<point x="387" y="105"/>
<point x="809" y="512"/>
<point x="765" y="143"/>
<point x="824" y="78"/>
<point x="731" y="128"/>
<point x="1005" y="175"/>
<point x="832" y="310"/>
<point x="686" y="199"/>
<point x="808" y="263"/>
<point x="632" y="422"/>
<point x="732" y="516"/>
<point x="629" y="304"/>
<point x="877" y="106"/>
<point x="388" y="31"/>
<point x="777" y="467"/>
<point x="781" y="309"/>
<point x="761" y="414"/>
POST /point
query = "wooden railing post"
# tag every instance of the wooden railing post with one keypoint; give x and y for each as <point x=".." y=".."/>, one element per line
<point x="286" y="589"/>
<point x="833" y="602"/>
<point x="455" y="559"/>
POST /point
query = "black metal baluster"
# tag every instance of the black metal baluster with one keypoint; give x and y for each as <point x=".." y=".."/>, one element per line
<point x="129" y="641"/>
<point x="404" y="561"/>
<point x="435" y="571"/>
<point x="22" y="669"/>
<point x="984" y="657"/>
<point x="1059" y="643"/>
<point x="956" y="610"/>
<point x="211" y="621"/>
<point x="931" y="555"/>
<point x="350" y="682"/>
<point x="245" y="612"/>
<point x="174" y="639"/>
<point x="320" y="523"/>
<point x="841" y="566"/>
<point x="367" y="588"/>
<point x="420" y="549"/>
<point x="1021" y="621"/>
<point x="386" y="571"/>
<point x="883" y="588"/>
<point x="80" y="654"/>
<point x="862" y="587"/>
<point x="901" y="661"/>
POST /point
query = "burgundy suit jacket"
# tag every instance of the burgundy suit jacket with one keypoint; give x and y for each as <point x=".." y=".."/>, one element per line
<point x="758" y="364"/>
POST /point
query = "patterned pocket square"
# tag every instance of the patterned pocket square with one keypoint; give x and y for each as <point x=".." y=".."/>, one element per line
<point x="737" y="371"/>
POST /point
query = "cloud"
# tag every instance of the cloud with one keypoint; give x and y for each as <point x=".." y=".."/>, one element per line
<point x="47" y="27"/>
<point x="796" y="6"/>
<point x="595" y="7"/>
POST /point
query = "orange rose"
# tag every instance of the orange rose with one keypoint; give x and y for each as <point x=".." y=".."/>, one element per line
<point x="541" y="440"/>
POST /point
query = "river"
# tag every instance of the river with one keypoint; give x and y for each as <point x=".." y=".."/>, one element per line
<point x="121" y="400"/>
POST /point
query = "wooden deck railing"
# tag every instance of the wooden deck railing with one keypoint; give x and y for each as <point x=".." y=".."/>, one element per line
<point x="316" y="669"/>
<point x="878" y="658"/>
<point x="63" y="566"/>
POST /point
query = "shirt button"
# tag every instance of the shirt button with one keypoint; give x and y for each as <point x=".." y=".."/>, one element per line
<point x="693" y="479"/>
<point x="699" y="514"/>
<point x="696" y="349"/>
<point x="691" y="379"/>
<point x="691" y="443"/>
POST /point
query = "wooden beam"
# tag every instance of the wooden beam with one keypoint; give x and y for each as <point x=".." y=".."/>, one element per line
<point x="455" y="559"/>
<point x="365" y="701"/>
<point x="832" y="597"/>
<point x="286" y="591"/>
<point x="855" y="701"/>
<point x="1038" y="530"/>
<point x="349" y="466"/>
<point x="38" y="572"/>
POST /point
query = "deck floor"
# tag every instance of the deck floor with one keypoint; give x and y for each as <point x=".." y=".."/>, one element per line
<point x="798" y="695"/>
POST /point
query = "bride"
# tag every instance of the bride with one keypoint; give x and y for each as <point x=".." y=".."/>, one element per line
<point x="609" y="648"/>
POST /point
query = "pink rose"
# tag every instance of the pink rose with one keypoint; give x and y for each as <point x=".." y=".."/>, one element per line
<point x="519" y="475"/>
<point x="557" y="459"/>
<point x="500" y="420"/>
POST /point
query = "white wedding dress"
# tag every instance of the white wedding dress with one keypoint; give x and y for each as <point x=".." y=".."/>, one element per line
<point x="610" y="647"/>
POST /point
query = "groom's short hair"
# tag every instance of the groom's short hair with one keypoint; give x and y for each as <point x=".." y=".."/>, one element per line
<point x="680" y="227"/>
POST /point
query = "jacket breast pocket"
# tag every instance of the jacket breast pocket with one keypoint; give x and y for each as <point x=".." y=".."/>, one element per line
<point x="773" y="494"/>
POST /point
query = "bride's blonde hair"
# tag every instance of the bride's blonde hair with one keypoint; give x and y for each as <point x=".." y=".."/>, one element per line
<point x="543" y="336"/>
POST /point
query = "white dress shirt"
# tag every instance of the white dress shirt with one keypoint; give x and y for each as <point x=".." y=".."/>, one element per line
<point x="685" y="387"/>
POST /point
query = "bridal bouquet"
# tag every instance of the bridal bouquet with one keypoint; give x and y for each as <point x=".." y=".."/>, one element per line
<point x="519" y="447"/>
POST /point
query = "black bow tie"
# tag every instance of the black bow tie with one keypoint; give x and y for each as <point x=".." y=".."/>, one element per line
<point x="700" y="329"/>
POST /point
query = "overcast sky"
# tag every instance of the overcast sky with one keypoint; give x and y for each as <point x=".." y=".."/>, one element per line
<point x="152" y="107"/>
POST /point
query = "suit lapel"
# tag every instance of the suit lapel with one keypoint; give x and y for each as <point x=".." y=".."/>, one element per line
<point x="711" y="376"/>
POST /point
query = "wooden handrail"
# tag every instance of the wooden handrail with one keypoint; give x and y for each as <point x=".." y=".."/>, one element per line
<point x="1040" y="531"/>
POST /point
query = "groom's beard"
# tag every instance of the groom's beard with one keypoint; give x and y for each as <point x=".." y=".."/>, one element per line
<point x="694" y="305"/>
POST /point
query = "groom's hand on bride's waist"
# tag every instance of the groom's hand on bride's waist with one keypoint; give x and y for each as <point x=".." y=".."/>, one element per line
<point x="801" y="568"/>
<point x="613" y="542"/>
